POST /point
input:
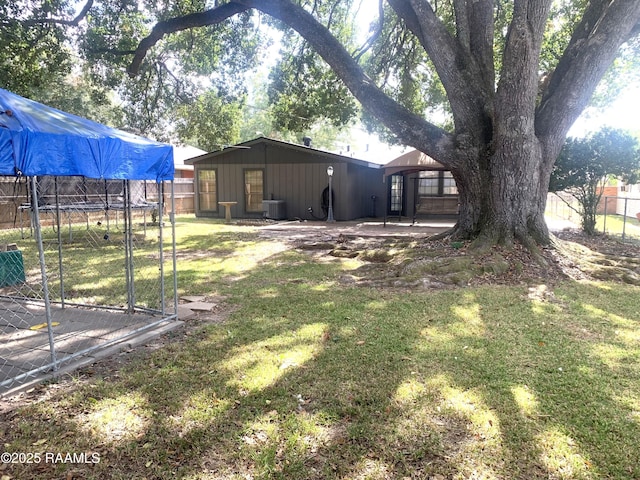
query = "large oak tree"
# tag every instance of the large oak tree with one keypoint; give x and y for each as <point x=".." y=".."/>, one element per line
<point x="510" y="118"/>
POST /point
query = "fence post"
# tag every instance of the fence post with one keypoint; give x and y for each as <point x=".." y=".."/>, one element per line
<point x="624" y="218"/>
<point x="604" y="225"/>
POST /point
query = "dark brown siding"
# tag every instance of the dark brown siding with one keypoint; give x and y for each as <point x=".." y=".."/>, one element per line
<point x="298" y="178"/>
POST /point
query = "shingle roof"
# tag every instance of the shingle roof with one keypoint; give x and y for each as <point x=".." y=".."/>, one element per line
<point x="293" y="146"/>
<point x="413" y="161"/>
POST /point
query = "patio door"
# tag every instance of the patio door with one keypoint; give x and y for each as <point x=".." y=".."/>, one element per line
<point x="396" y="196"/>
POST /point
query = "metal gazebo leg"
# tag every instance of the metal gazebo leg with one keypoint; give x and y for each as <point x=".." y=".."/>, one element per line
<point x="173" y="250"/>
<point x="60" y="266"/>
<point x="43" y="272"/>
<point x="128" y="247"/>
<point x="161" y="243"/>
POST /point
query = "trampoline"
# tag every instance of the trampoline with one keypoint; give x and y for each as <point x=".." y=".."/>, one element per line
<point x="68" y="210"/>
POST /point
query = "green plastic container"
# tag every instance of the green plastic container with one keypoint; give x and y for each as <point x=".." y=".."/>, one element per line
<point x="11" y="268"/>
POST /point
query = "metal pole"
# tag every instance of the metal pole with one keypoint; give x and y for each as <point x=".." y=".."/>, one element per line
<point x="416" y="181"/>
<point x="161" y="243"/>
<point x="144" y="211"/>
<point x="624" y="218"/>
<point x="386" y="200"/>
<point x="128" y="266"/>
<point x="60" y="268"/>
<point x="401" y="202"/>
<point x="330" y="212"/>
<point x="127" y="277"/>
<point x="43" y="272"/>
<point x="401" y="189"/>
<point x="127" y="216"/>
<point x="106" y="206"/>
<point x="173" y="250"/>
<point x="85" y="199"/>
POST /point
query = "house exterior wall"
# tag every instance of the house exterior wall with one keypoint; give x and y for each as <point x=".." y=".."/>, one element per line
<point x="361" y="184"/>
<point x="630" y="198"/>
<point x="295" y="176"/>
<point x="611" y="203"/>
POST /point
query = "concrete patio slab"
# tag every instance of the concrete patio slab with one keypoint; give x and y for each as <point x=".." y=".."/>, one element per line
<point x="193" y="298"/>
<point x="185" y="313"/>
<point x="81" y="335"/>
<point x="201" y="306"/>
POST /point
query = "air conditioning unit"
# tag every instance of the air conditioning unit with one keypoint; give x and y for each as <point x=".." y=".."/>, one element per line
<point x="274" y="209"/>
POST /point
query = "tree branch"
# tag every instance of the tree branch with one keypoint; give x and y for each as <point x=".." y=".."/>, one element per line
<point x="52" y="21"/>
<point x="568" y="204"/>
<point x="462" y="23"/>
<point x="374" y="35"/>
<point x="83" y="12"/>
<point x="470" y="99"/>
<point x="480" y="14"/>
<point x="112" y="51"/>
<point x="593" y="47"/>
<point x="177" y="24"/>
<point x="475" y="32"/>
<point x="409" y="127"/>
<point x="517" y="88"/>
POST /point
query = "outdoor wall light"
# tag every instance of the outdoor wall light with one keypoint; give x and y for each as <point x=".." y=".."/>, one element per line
<point x="330" y="212"/>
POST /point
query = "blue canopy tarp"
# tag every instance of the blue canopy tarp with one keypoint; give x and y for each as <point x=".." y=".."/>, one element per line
<point x="40" y="140"/>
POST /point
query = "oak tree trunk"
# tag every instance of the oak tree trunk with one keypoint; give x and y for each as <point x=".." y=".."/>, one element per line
<point x="503" y="196"/>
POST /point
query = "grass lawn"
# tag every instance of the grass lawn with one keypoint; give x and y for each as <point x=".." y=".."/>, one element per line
<point x="615" y="225"/>
<point x="93" y="259"/>
<point x="311" y="379"/>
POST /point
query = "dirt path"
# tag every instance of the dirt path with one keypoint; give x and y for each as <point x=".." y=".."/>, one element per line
<point x="307" y="230"/>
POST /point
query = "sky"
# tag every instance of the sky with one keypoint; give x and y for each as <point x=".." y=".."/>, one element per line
<point x="623" y="113"/>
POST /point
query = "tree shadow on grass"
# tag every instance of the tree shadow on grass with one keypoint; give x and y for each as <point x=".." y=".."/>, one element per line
<point x="542" y="388"/>
<point x="311" y="380"/>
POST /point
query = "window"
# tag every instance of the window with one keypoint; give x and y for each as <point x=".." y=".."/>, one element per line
<point x="429" y="183"/>
<point x="396" y="194"/>
<point x="253" y="190"/>
<point x="437" y="184"/>
<point x="207" y="190"/>
<point x="449" y="184"/>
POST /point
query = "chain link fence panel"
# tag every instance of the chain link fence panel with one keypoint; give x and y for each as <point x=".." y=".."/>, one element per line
<point x="92" y="265"/>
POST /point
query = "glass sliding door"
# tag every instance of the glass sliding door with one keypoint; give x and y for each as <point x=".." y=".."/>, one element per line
<point x="396" y="194"/>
